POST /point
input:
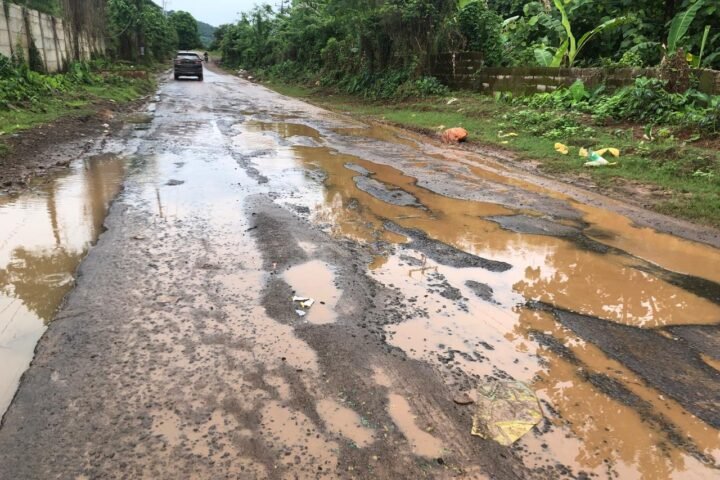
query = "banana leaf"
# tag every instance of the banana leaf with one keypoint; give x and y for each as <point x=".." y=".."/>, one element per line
<point x="681" y="24"/>
<point x="543" y="57"/>
<point x="612" y="23"/>
<point x="560" y="55"/>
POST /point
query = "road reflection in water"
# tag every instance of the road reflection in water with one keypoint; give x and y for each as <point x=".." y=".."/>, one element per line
<point x="44" y="234"/>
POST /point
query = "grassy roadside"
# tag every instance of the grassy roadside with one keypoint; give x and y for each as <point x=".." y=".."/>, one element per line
<point x="667" y="171"/>
<point x="68" y="100"/>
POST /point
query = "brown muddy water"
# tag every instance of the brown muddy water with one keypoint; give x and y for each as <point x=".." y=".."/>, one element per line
<point x="44" y="234"/>
<point x="477" y="320"/>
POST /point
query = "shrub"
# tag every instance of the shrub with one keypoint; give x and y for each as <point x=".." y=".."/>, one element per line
<point x="482" y="28"/>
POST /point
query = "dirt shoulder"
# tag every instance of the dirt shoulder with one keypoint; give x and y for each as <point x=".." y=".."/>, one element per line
<point x="46" y="146"/>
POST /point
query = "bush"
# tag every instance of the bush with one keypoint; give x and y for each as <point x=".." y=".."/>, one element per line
<point x="421" y="88"/>
<point x="21" y="85"/>
<point x="646" y="101"/>
<point x="482" y="28"/>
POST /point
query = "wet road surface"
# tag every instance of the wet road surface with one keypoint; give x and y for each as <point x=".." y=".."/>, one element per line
<point x="180" y="353"/>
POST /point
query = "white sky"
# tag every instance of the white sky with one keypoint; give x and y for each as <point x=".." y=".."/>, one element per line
<point x="214" y="12"/>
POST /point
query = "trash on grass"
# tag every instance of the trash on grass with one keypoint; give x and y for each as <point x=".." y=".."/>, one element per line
<point x="452" y="100"/>
<point x="506" y="410"/>
<point x="506" y="135"/>
<point x="596" y="160"/>
<point x="562" y="148"/>
<point x="584" y="152"/>
<point x="612" y="151"/>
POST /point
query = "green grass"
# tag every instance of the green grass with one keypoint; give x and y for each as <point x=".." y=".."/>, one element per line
<point x="14" y="121"/>
<point x="80" y="102"/>
<point x="685" y="178"/>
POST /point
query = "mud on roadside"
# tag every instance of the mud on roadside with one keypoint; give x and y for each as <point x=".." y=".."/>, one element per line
<point x="46" y="148"/>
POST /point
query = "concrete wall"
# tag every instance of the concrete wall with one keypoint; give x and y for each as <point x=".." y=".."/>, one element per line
<point x="465" y="71"/>
<point x="54" y="37"/>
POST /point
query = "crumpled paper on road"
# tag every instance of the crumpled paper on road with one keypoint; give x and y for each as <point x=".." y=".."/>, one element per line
<point x="506" y="410"/>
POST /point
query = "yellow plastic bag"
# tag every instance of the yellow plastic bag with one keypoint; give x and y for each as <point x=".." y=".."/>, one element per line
<point x="612" y="151"/>
<point x="562" y="148"/>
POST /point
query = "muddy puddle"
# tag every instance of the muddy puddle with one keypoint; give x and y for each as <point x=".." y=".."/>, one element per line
<point x="472" y="271"/>
<point x="44" y="234"/>
<point x="315" y="280"/>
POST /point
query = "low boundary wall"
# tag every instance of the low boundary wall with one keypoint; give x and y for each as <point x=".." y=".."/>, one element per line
<point x="465" y="71"/>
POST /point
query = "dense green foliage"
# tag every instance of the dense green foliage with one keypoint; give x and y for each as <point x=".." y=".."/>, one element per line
<point x="188" y="35"/>
<point x="46" y="6"/>
<point x="133" y="24"/>
<point x="645" y="102"/>
<point x="136" y="23"/>
<point x="21" y="87"/>
<point x="378" y="47"/>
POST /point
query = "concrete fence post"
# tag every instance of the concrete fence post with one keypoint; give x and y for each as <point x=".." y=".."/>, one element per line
<point x="8" y="49"/>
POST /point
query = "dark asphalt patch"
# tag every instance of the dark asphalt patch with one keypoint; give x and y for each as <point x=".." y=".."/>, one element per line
<point x="482" y="290"/>
<point x="358" y="169"/>
<point x="619" y="392"/>
<point x="541" y="226"/>
<point x="443" y="253"/>
<point x="699" y="286"/>
<point x="381" y="191"/>
<point x="667" y="365"/>
<point x="704" y="339"/>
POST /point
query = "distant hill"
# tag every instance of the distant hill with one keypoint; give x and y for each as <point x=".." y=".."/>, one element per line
<point x="206" y="33"/>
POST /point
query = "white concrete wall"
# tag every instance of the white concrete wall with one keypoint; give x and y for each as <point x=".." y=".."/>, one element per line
<point x="52" y="36"/>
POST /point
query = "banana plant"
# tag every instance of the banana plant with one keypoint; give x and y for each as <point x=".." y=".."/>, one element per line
<point x="572" y="47"/>
<point x="696" y="61"/>
<point x="680" y="25"/>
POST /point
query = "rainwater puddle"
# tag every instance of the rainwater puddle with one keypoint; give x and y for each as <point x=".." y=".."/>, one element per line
<point x="344" y="421"/>
<point x="316" y="280"/>
<point x="285" y="130"/>
<point x="44" y="235"/>
<point x="421" y="442"/>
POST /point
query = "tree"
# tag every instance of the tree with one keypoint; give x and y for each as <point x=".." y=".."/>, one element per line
<point x="135" y="23"/>
<point x="186" y="27"/>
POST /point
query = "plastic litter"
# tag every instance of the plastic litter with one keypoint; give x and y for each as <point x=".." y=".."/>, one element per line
<point x="612" y="151"/>
<point x="452" y="100"/>
<point x="597" y="160"/>
<point x="304" y="303"/>
<point x="454" y="135"/>
<point x="562" y="148"/>
<point x="584" y="152"/>
<point x="506" y="410"/>
<point x="506" y="135"/>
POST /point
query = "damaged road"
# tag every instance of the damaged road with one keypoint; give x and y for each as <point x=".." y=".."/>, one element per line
<point x="179" y="353"/>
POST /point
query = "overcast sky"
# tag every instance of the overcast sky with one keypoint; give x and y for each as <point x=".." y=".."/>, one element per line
<point x="214" y="12"/>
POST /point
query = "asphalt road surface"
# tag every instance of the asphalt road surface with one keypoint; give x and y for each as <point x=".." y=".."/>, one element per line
<point x="179" y="352"/>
